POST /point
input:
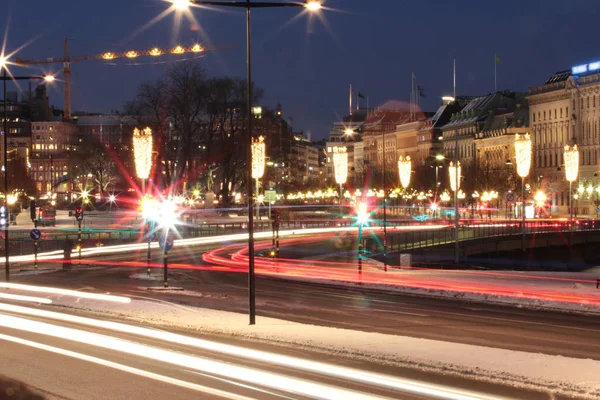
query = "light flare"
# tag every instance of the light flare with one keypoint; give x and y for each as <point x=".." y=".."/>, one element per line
<point x="65" y="292"/>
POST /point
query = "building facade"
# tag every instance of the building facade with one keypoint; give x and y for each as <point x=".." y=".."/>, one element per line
<point x="565" y="110"/>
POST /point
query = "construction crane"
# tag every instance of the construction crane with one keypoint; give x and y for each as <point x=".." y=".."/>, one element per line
<point x="109" y="56"/>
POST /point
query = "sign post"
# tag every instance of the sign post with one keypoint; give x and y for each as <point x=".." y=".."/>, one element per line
<point x="35" y="235"/>
<point x="166" y="244"/>
<point x="79" y="218"/>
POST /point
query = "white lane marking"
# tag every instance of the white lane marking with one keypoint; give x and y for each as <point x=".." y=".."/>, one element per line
<point x="344" y="373"/>
<point x="125" y="368"/>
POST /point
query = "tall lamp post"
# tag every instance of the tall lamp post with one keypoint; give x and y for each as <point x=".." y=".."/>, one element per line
<point x="571" y="171"/>
<point x="523" y="155"/>
<point x="5" y="78"/>
<point x="142" y="154"/>
<point x="258" y="166"/>
<point x="340" y="165"/>
<point x="404" y="171"/>
<point x="454" y="170"/>
<point x="311" y="5"/>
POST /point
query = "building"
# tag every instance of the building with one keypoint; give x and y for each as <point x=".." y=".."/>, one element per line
<point x="348" y="133"/>
<point x="566" y="110"/>
<point x="51" y="143"/>
<point x="304" y="167"/>
<point x="111" y="130"/>
<point x="470" y="120"/>
<point x="430" y="135"/>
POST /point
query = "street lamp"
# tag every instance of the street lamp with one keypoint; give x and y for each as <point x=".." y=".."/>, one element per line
<point x="523" y="156"/>
<point x="258" y="166"/>
<point x="5" y="78"/>
<point x="571" y="156"/>
<point x="311" y="6"/>
<point x="142" y="153"/>
<point x="340" y="165"/>
<point x="454" y="172"/>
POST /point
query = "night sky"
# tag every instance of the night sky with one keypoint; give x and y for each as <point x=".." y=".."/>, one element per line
<point x="373" y="44"/>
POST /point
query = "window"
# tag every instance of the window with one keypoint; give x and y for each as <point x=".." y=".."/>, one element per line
<point x="556" y="159"/>
<point x="588" y="102"/>
<point x="544" y="115"/>
<point x="533" y="117"/>
<point x="567" y="112"/>
<point x="555" y="113"/>
<point x="561" y="115"/>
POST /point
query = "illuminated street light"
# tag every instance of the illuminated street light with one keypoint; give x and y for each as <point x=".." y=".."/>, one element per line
<point x="523" y="156"/>
<point x="348" y="131"/>
<point x="362" y="214"/>
<point x="313" y="5"/>
<point x="540" y="198"/>
<point x="3" y="62"/>
<point x="310" y="6"/>
<point x="571" y="157"/>
<point x="49" y="78"/>
<point x="404" y="170"/>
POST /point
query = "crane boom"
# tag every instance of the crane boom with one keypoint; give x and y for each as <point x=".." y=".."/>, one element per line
<point x="109" y="56"/>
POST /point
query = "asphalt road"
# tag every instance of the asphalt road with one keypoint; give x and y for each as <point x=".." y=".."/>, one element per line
<point x="506" y="327"/>
<point x="66" y="360"/>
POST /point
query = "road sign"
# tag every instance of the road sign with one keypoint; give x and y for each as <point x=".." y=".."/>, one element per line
<point x="167" y="245"/>
<point x="35" y="234"/>
<point x="270" y="196"/>
<point x="510" y="197"/>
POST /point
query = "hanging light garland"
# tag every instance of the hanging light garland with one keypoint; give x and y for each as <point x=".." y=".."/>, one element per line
<point x="142" y="152"/>
<point x="340" y="164"/>
<point x="571" y="163"/>
<point x="523" y="154"/>
<point x="404" y="170"/>
<point x="454" y="172"/>
<point x="258" y="157"/>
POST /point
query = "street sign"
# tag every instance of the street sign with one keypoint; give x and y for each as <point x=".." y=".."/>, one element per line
<point x="510" y="197"/>
<point x="270" y="196"/>
<point x="35" y="234"/>
<point x="167" y="245"/>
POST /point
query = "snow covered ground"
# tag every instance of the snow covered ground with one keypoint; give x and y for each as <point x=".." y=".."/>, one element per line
<point x="559" y="375"/>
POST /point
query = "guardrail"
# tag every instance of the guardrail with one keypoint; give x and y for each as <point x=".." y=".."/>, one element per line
<point x="472" y="230"/>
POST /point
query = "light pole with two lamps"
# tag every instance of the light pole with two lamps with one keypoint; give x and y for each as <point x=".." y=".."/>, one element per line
<point x="5" y="78"/>
<point x="312" y="6"/>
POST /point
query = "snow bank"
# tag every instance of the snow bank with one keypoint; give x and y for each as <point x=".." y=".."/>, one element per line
<point x="559" y="375"/>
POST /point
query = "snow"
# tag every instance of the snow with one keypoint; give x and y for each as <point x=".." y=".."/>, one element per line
<point x="560" y="375"/>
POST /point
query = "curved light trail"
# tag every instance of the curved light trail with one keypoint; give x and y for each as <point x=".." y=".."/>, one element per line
<point x="65" y="292"/>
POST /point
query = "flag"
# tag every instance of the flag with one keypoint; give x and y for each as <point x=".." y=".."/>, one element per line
<point x="421" y="91"/>
<point x="498" y="60"/>
<point x="361" y="96"/>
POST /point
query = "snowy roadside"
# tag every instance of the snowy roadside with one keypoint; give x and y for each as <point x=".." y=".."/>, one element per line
<point x="559" y="375"/>
<point x="564" y="292"/>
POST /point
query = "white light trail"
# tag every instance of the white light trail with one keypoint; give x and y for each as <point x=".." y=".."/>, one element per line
<point x="65" y="292"/>
<point x="125" y="248"/>
<point x="369" y="378"/>
<point x="125" y="368"/>
<point x="244" y="374"/>
<point x="25" y="298"/>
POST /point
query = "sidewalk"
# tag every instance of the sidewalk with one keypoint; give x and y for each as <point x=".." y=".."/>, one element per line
<point x="561" y="375"/>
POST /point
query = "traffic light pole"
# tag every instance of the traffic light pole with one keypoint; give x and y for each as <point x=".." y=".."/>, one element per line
<point x="79" y="239"/>
<point x="35" y="247"/>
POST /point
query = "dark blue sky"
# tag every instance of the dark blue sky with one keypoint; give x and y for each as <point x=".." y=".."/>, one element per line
<point x="373" y="44"/>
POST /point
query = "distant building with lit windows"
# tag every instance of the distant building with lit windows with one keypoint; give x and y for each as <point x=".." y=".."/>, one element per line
<point x="566" y="110"/>
<point x="51" y="142"/>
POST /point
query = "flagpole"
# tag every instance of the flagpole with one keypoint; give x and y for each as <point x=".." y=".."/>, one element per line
<point x="350" y="99"/>
<point x="495" y="68"/>
<point x="455" y="79"/>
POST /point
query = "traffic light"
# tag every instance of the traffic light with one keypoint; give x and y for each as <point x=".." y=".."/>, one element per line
<point x="3" y="216"/>
<point x="33" y="210"/>
<point x="79" y="213"/>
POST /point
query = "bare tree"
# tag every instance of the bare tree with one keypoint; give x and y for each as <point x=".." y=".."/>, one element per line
<point x="93" y="159"/>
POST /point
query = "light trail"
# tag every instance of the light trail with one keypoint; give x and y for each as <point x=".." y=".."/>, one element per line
<point x="25" y="298"/>
<point x="65" y="292"/>
<point x="244" y="374"/>
<point x="345" y="373"/>
<point x="125" y="368"/>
